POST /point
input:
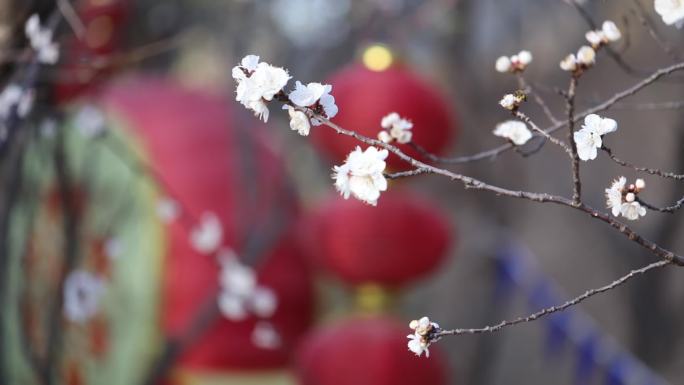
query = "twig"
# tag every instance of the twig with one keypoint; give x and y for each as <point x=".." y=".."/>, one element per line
<point x="72" y="18"/>
<point x="671" y="105"/>
<point x="669" y="209"/>
<point x="552" y="309"/>
<point x="537" y="99"/>
<point x="647" y="170"/>
<point x="605" y="105"/>
<point x="543" y="133"/>
<point x="570" y="109"/>
<point x="472" y="183"/>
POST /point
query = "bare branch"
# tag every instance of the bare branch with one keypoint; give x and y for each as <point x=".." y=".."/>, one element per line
<point x="669" y="209"/>
<point x="570" y="110"/>
<point x="652" y="171"/>
<point x="553" y="309"/>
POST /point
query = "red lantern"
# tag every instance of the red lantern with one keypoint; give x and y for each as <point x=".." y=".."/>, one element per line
<point x="365" y="96"/>
<point x="401" y="239"/>
<point x="84" y="60"/>
<point x="208" y="165"/>
<point x="366" y="351"/>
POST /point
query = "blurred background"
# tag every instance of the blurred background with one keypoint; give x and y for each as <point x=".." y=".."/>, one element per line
<point x="152" y="231"/>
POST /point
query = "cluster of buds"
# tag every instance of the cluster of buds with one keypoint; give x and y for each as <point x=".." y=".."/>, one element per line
<point x="423" y="335"/>
<point x="395" y="128"/>
<point x="512" y="101"/>
<point x="515" y="63"/>
<point x="608" y="33"/>
<point x="586" y="55"/>
<point x="622" y="198"/>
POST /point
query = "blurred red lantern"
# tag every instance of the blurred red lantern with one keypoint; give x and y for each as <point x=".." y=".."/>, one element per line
<point x="365" y="96"/>
<point x="84" y="60"/>
<point x="366" y="351"/>
<point x="209" y="165"/>
<point x="402" y="239"/>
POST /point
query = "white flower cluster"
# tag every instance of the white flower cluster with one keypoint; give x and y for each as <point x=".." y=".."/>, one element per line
<point x="513" y="130"/>
<point x="515" y="63"/>
<point x="586" y="55"/>
<point x="395" y="128"/>
<point x="82" y="293"/>
<point x="259" y="83"/>
<point x="361" y="175"/>
<point x="512" y="101"/>
<point x="623" y="200"/>
<point x="609" y="33"/>
<point x="13" y="96"/>
<point x="585" y="58"/>
<point x="41" y="41"/>
<point x="240" y="294"/>
<point x="588" y="139"/>
<point x="672" y="11"/>
<point x="207" y="236"/>
<point x="316" y="97"/>
<point x="419" y="341"/>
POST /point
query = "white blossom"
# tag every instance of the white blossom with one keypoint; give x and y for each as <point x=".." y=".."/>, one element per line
<point x="315" y="96"/>
<point x="588" y="139"/>
<point x="632" y="210"/>
<point x="569" y="63"/>
<point x="514" y="63"/>
<point x="207" y="235"/>
<point x="601" y="125"/>
<point x="89" y="121"/>
<point x="265" y="336"/>
<point x="509" y="102"/>
<point x="167" y="210"/>
<point x="418" y="341"/>
<point x="299" y="121"/>
<point x="362" y="175"/>
<point x="399" y="128"/>
<point x="385" y="137"/>
<point x="588" y="142"/>
<point x="610" y="31"/>
<point x="614" y="195"/>
<point x="237" y="278"/>
<point x="418" y="345"/>
<point x="586" y="55"/>
<point x="232" y="306"/>
<point x="10" y="98"/>
<point x="258" y="83"/>
<point x="639" y="184"/>
<point x="41" y="41"/>
<point x="524" y="57"/>
<point x="513" y="130"/>
<point x="595" y="38"/>
<point x="306" y="95"/>
<point x="82" y="293"/>
<point x="263" y="302"/>
<point x="672" y="11"/>
<point x="503" y="64"/>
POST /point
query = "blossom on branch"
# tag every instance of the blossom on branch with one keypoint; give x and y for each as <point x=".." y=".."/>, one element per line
<point x="258" y="83"/>
<point x="622" y="199"/>
<point x="361" y="175"/>
<point x="206" y="237"/>
<point x="608" y="33"/>
<point x="672" y="11"/>
<point x="299" y="121"/>
<point x="396" y="128"/>
<point x="513" y="130"/>
<point x="40" y="39"/>
<point x="585" y="58"/>
<point x="419" y="341"/>
<point x="315" y="96"/>
<point x="515" y="63"/>
<point x="588" y="139"/>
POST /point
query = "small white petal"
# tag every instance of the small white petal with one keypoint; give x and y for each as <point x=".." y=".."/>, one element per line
<point x="503" y="64"/>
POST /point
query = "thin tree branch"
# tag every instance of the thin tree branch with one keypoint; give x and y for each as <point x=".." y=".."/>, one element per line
<point x="553" y="309"/>
<point x="605" y="105"/>
<point x="570" y="109"/>
<point x="646" y="22"/>
<point x="669" y="209"/>
<point x="472" y="183"/>
<point x="518" y="114"/>
<point x="652" y="171"/>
